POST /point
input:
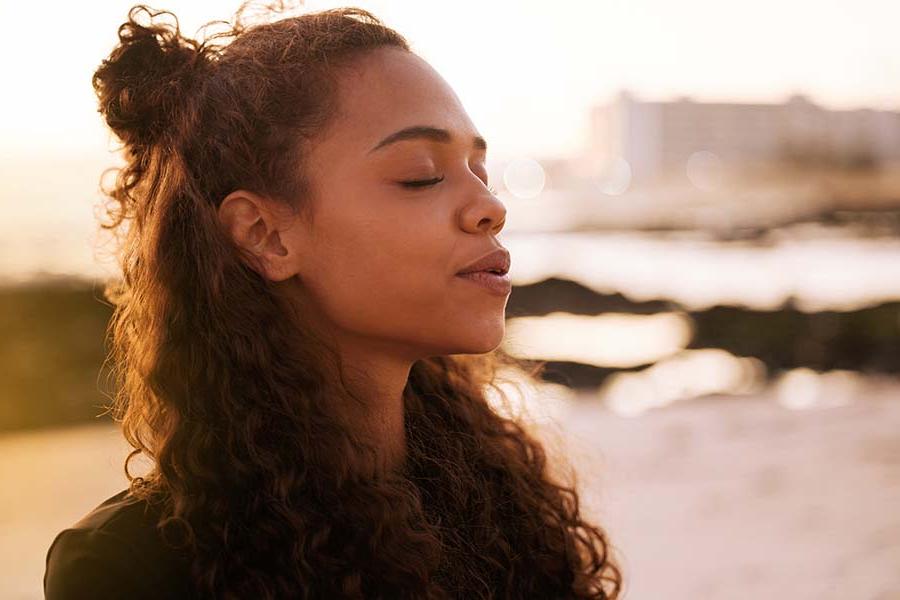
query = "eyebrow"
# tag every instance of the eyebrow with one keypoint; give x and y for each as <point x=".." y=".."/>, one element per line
<point x="426" y="132"/>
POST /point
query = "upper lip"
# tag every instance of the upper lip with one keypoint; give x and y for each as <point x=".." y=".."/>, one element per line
<point x="496" y="260"/>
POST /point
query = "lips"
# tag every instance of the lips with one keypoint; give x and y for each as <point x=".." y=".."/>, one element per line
<point x="494" y="282"/>
<point x="497" y="261"/>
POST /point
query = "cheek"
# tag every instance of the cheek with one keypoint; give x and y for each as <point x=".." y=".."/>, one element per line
<point x="374" y="281"/>
<point x="390" y="276"/>
<point x="416" y="305"/>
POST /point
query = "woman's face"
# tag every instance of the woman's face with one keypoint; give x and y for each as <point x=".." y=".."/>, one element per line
<point x="382" y="259"/>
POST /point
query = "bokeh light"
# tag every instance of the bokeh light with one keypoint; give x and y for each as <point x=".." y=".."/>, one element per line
<point x="524" y="178"/>
<point x="617" y="177"/>
<point x="705" y="170"/>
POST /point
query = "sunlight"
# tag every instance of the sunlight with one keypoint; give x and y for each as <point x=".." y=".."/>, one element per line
<point x="609" y="340"/>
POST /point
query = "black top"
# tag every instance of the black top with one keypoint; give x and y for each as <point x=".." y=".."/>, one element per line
<point x="115" y="552"/>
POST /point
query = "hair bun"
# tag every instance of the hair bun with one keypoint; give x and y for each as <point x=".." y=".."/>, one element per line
<point x="145" y="80"/>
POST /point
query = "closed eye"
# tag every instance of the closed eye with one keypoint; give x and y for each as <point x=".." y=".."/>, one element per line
<point x="422" y="182"/>
<point x="429" y="182"/>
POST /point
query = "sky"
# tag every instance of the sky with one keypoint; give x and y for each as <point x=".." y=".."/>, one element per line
<point x="526" y="71"/>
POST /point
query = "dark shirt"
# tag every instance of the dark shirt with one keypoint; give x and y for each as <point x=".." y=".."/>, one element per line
<point x="115" y="551"/>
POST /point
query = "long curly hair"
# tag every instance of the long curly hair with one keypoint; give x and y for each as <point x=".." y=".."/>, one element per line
<point x="253" y="463"/>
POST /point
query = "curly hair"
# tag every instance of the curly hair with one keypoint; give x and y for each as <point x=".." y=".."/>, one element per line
<point x="251" y="464"/>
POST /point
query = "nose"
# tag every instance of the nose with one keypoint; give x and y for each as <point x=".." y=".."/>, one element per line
<point x="484" y="212"/>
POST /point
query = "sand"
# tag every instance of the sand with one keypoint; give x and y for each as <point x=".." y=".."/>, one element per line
<point x="720" y="497"/>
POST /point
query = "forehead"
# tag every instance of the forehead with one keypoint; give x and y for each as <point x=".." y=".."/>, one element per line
<point x="389" y="89"/>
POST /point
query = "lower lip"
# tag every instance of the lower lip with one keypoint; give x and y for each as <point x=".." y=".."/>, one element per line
<point x="498" y="284"/>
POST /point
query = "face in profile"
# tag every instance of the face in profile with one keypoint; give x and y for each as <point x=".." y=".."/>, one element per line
<point x="395" y="223"/>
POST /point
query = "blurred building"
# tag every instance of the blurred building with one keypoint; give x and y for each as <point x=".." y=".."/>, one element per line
<point x="656" y="138"/>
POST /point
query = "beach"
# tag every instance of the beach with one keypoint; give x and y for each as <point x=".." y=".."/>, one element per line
<point x="716" y="497"/>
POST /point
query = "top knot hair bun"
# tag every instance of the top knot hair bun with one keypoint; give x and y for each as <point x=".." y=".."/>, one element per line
<point x="145" y="81"/>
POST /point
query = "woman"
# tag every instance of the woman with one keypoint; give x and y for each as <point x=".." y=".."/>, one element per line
<point x="296" y="349"/>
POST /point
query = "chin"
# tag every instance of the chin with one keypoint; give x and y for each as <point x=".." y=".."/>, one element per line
<point x="470" y="334"/>
<point x="484" y="343"/>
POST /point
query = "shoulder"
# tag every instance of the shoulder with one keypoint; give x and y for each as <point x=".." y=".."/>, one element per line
<point x="114" y="551"/>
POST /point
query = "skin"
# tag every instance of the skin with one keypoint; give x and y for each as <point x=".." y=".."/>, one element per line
<point x="378" y="266"/>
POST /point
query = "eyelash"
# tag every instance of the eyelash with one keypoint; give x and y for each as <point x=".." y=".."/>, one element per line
<point x="429" y="182"/>
<point x="422" y="183"/>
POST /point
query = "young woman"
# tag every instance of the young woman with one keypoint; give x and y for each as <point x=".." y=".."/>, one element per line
<point x="297" y="349"/>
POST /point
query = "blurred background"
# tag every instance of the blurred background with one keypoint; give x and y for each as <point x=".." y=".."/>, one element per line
<point x="704" y="218"/>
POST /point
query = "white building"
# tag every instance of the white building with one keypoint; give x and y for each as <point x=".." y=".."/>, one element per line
<point x="657" y="138"/>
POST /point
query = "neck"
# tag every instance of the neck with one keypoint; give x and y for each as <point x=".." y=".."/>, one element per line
<point x="375" y="372"/>
<point x="380" y="417"/>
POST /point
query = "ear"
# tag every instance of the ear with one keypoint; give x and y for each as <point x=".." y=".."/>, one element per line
<point x="255" y="224"/>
